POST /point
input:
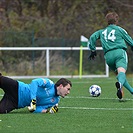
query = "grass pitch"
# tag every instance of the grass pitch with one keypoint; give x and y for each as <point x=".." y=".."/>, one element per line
<point x="78" y="112"/>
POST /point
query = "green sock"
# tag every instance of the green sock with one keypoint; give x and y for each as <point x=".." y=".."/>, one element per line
<point x="128" y="87"/>
<point x="121" y="77"/>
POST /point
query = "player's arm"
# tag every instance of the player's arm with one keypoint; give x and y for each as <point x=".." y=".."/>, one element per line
<point x="127" y="37"/>
<point x="129" y="41"/>
<point x="93" y="38"/>
<point x="92" y="46"/>
<point x="33" y="90"/>
<point x="37" y="83"/>
<point x="34" y="86"/>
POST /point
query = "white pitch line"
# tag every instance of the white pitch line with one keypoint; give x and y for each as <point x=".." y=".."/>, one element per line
<point x="95" y="98"/>
<point x="86" y="108"/>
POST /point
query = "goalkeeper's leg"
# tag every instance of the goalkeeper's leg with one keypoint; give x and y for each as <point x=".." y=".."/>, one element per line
<point x="10" y="98"/>
<point x="6" y="104"/>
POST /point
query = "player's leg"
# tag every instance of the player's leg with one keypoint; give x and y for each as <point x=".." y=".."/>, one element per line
<point x="123" y="80"/>
<point x="128" y="86"/>
<point x="10" y="99"/>
<point x="121" y="64"/>
<point x="121" y="77"/>
<point x="9" y="86"/>
<point x="111" y="58"/>
<point x="117" y="61"/>
<point x="6" y="104"/>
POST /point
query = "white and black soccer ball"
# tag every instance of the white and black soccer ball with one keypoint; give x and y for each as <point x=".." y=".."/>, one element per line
<point x="95" y="90"/>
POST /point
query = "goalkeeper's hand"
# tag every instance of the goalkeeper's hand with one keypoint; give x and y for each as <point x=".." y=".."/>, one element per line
<point x="32" y="106"/>
<point x="53" y="109"/>
<point x="92" y="55"/>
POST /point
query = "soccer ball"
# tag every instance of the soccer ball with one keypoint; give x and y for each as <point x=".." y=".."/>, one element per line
<point x="95" y="90"/>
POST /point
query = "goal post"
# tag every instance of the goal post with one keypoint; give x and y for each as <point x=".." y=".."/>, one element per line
<point x="47" y="49"/>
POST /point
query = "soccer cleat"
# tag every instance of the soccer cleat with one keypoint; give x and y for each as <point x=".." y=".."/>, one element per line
<point x="122" y="100"/>
<point x="119" y="90"/>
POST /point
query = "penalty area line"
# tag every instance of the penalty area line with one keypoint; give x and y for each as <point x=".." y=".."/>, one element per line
<point x="86" y="108"/>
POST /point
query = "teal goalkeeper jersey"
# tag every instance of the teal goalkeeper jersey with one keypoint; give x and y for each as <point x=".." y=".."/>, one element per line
<point x="41" y="89"/>
<point x="112" y="37"/>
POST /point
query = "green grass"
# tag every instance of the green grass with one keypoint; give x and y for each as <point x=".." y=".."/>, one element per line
<point x="78" y="112"/>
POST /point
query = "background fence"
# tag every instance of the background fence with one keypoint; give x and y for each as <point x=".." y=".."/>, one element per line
<point x="26" y="62"/>
<point x="52" y="62"/>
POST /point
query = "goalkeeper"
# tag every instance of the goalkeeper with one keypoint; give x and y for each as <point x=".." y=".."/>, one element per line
<point x="113" y="39"/>
<point x="40" y="96"/>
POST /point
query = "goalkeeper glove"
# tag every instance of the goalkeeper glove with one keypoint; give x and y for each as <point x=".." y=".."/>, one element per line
<point x="92" y="55"/>
<point x="32" y="106"/>
<point x="53" y="109"/>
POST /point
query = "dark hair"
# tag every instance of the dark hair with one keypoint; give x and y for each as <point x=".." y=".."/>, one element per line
<point x="63" y="81"/>
<point x="112" y="18"/>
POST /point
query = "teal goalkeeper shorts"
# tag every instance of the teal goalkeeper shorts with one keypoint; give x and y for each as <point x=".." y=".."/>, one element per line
<point x="116" y="58"/>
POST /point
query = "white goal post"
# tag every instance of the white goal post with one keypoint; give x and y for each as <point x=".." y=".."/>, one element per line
<point x="47" y="49"/>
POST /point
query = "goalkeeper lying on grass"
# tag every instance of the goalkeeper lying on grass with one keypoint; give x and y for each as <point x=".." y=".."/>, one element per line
<point x="40" y="96"/>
